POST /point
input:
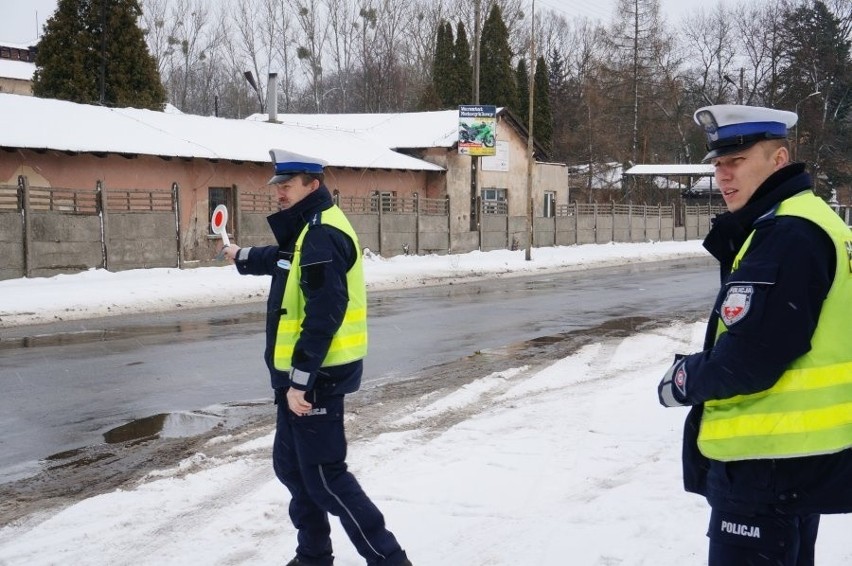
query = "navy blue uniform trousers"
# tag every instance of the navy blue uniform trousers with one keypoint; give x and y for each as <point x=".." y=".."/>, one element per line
<point x="309" y="457"/>
<point x="766" y="539"/>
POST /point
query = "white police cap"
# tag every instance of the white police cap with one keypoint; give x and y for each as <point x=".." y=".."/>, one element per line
<point x="289" y="164"/>
<point x="734" y="127"/>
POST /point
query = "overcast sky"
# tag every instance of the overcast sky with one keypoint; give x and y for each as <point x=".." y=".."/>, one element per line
<point x="21" y="20"/>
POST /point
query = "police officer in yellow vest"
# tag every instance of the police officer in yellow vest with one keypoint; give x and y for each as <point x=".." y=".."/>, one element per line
<point x="768" y="438"/>
<point x="316" y="339"/>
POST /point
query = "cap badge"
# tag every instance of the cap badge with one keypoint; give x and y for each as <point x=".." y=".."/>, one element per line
<point x="708" y="122"/>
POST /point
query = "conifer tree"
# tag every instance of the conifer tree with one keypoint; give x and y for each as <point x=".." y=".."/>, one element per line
<point x="542" y="117"/>
<point x="816" y="74"/>
<point x="496" y="78"/>
<point x="93" y="51"/>
<point x="462" y="68"/>
<point x="522" y="78"/>
<point x="443" y="71"/>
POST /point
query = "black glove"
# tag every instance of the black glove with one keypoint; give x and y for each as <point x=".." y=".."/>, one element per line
<point x="672" y="388"/>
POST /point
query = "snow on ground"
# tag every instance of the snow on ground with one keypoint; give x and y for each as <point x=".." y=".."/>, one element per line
<point x="573" y="464"/>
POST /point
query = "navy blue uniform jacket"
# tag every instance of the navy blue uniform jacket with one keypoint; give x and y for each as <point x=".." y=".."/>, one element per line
<point x="797" y="257"/>
<point x="327" y="254"/>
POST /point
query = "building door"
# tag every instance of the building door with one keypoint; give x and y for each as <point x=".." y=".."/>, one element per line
<point x="217" y="196"/>
<point x="549" y="204"/>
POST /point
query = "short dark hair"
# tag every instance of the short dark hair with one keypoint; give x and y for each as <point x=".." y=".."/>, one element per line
<point x="307" y="178"/>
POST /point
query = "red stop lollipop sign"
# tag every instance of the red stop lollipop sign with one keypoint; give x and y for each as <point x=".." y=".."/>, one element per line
<point x="218" y="223"/>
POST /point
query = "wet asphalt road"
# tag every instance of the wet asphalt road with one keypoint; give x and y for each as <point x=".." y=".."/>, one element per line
<point x="75" y="384"/>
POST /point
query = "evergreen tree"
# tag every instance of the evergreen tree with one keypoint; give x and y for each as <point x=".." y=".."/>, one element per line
<point x="564" y="109"/>
<point x="93" y="51"/>
<point x="496" y="78"/>
<point x="816" y="78"/>
<point x="522" y="79"/>
<point x="443" y="71"/>
<point x="462" y="68"/>
<point x="542" y="117"/>
<point x="60" y="69"/>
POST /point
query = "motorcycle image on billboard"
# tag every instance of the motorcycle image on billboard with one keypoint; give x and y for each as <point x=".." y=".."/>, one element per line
<point x="477" y="130"/>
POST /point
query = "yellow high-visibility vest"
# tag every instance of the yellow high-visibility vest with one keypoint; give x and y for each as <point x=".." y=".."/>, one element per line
<point x="350" y="341"/>
<point x="809" y="409"/>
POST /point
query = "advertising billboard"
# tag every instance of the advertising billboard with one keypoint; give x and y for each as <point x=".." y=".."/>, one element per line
<point x="477" y="130"/>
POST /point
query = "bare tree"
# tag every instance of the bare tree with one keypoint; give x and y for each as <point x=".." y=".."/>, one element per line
<point x="155" y="18"/>
<point x="761" y="44"/>
<point x="257" y="45"/>
<point x="710" y="44"/>
<point x="633" y="32"/>
<point x="342" y="42"/>
<point x="282" y="40"/>
<point x="186" y="41"/>
<point x="310" y="45"/>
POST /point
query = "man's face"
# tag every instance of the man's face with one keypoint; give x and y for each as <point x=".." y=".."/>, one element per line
<point x="292" y="191"/>
<point x="739" y="174"/>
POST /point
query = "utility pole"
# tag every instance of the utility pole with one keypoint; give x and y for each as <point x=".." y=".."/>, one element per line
<point x="475" y="159"/>
<point x="103" y="53"/>
<point x="530" y="150"/>
<point x="476" y="33"/>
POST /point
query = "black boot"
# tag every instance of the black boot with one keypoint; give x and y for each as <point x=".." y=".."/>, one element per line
<point x="297" y="562"/>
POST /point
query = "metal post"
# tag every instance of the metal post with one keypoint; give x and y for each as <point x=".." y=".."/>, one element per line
<point x="530" y="151"/>
<point x="102" y="209"/>
<point x="26" y="210"/>
<point x="176" y="207"/>
<point x="417" y="223"/>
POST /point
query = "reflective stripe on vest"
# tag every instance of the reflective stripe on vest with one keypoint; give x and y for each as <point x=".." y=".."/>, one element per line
<point x="349" y="343"/>
<point x="809" y="409"/>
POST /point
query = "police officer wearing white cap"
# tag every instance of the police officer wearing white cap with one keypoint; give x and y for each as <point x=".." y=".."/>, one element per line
<point x="316" y="339"/>
<point x="768" y="439"/>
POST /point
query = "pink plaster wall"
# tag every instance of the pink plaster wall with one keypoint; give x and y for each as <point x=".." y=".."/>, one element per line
<point x="82" y="171"/>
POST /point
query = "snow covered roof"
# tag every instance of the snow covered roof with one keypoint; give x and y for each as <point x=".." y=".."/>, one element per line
<point x="604" y="175"/>
<point x="14" y="69"/>
<point x="410" y="130"/>
<point x="38" y="123"/>
<point x="698" y="169"/>
<point x="666" y="183"/>
<point x="703" y="184"/>
<point x="15" y="45"/>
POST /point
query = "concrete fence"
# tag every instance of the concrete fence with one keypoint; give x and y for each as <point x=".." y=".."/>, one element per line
<point x="45" y="231"/>
<point x="599" y="224"/>
<point x="54" y="230"/>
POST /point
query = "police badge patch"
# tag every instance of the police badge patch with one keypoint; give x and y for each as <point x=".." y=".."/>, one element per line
<point x="736" y="304"/>
<point x="680" y="379"/>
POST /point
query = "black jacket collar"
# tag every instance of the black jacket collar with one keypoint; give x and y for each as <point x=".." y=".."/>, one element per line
<point x="287" y="224"/>
<point x="730" y="229"/>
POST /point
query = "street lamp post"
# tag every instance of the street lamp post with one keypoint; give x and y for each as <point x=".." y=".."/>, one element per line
<point x="796" y="131"/>
<point x="250" y="79"/>
<point x="740" y="87"/>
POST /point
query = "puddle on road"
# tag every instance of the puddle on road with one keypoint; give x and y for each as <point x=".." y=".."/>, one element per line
<point x="163" y="425"/>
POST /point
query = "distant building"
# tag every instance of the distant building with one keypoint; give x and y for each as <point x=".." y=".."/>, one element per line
<point x="63" y="145"/>
<point x="17" y="65"/>
<point x="433" y="138"/>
